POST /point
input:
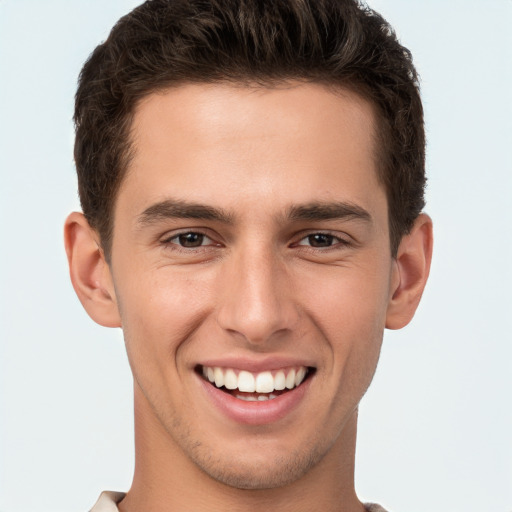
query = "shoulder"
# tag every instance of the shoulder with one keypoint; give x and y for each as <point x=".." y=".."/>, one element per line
<point x="373" y="507"/>
<point x="107" y="502"/>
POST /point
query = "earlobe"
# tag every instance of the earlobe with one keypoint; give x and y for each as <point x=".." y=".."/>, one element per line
<point x="412" y="267"/>
<point x="89" y="272"/>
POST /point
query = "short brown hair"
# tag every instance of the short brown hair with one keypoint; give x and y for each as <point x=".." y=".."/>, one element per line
<point x="163" y="43"/>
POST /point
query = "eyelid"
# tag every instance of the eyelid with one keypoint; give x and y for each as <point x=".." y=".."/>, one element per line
<point x="169" y="236"/>
<point x="339" y="239"/>
<point x="342" y="239"/>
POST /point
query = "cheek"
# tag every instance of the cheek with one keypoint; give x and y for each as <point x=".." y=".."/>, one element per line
<point x="350" y="311"/>
<point x="159" y="311"/>
<point x="349" y="299"/>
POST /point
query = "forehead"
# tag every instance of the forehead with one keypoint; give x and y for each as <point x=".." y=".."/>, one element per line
<point x="228" y="145"/>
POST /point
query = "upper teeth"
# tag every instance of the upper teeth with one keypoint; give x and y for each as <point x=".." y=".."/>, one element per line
<point x="247" y="382"/>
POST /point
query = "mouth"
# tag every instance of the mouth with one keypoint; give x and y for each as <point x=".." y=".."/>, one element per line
<point x="255" y="386"/>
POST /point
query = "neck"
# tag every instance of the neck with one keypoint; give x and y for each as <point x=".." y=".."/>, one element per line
<point x="166" y="480"/>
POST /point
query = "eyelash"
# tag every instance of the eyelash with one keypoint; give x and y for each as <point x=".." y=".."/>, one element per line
<point x="336" y="241"/>
<point x="168" y="241"/>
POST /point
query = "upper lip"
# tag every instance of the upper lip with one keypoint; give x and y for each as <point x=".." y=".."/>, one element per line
<point x="256" y="365"/>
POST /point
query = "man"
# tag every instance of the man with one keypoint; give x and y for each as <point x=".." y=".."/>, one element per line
<point x="251" y="175"/>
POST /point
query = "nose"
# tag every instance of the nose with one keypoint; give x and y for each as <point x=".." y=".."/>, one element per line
<point x="257" y="298"/>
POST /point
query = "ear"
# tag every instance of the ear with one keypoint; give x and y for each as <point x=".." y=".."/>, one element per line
<point x="89" y="271"/>
<point x="410" y="273"/>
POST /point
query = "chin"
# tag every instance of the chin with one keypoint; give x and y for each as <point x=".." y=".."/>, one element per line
<point x="259" y="472"/>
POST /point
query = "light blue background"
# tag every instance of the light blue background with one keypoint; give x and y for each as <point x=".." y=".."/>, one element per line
<point x="436" y="426"/>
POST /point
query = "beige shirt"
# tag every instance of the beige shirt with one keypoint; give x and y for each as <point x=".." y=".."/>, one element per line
<point x="107" y="502"/>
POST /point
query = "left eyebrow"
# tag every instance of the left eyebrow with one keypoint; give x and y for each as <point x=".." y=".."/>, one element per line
<point x="328" y="211"/>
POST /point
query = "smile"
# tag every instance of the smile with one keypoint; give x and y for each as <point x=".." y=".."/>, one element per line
<point x="255" y="387"/>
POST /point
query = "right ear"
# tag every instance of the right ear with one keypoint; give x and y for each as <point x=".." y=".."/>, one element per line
<point x="89" y="271"/>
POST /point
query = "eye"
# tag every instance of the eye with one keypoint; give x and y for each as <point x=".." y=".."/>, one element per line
<point x="321" y="240"/>
<point x="190" y="240"/>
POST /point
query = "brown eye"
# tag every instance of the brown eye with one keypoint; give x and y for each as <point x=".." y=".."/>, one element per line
<point x="190" y="239"/>
<point x="320" y="240"/>
<point x="323" y="241"/>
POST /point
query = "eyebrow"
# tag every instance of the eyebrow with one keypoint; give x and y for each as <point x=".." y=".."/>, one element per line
<point x="338" y="210"/>
<point x="316" y="211"/>
<point x="177" y="209"/>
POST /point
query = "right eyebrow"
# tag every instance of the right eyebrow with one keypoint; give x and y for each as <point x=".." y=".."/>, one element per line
<point x="179" y="209"/>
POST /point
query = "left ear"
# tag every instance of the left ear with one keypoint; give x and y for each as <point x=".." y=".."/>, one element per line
<point x="412" y="266"/>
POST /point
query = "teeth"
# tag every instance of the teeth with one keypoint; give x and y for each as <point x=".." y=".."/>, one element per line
<point x="246" y="382"/>
<point x="230" y="379"/>
<point x="219" y="377"/>
<point x="299" y="376"/>
<point x="263" y="382"/>
<point x="290" y="380"/>
<point x="279" y="381"/>
<point x="252" y="398"/>
<point x="249" y="398"/>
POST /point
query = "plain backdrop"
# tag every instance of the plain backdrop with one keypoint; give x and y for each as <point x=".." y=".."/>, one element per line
<point x="435" y="429"/>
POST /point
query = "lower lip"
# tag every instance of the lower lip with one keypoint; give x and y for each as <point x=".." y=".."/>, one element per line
<point x="256" y="413"/>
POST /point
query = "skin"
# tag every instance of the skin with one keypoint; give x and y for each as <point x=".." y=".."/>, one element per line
<point x="266" y="281"/>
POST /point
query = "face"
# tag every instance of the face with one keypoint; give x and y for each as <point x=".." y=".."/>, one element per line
<point x="252" y="274"/>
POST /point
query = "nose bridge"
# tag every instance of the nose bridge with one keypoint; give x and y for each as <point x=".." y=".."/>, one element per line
<point x="256" y="303"/>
